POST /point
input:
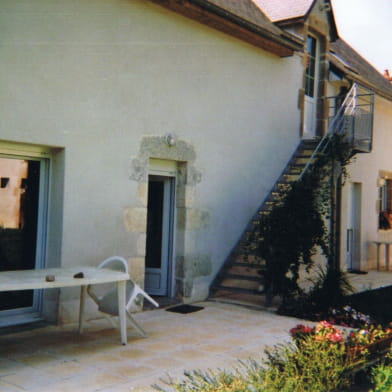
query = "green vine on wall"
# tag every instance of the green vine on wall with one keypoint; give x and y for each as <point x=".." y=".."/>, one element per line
<point x="298" y="225"/>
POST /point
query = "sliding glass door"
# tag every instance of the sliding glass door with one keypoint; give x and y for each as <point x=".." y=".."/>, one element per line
<point x="23" y="200"/>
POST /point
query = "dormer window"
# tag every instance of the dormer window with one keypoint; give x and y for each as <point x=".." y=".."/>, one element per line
<point x="311" y="85"/>
<point x="310" y="75"/>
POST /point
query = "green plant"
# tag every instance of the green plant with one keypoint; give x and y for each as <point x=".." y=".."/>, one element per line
<point x="368" y="335"/>
<point x="323" y="331"/>
<point x="317" y="362"/>
<point x="331" y="287"/>
<point x="220" y="381"/>
<point x="293" y="232"/>
<point x="312" y="366"/>
<point x="381" y="376"/>
<point x="328" y="292"/>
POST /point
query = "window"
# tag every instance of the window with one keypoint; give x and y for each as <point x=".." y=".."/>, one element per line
<point x="385" y="197"/>
<point x="310" y="76"/>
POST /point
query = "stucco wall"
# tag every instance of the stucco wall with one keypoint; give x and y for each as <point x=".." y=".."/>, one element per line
<point x="96" y="77"/>
<point x="366" y="170"/>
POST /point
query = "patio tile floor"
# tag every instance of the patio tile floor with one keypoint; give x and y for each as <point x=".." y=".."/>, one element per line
<point x="58" y="359"/>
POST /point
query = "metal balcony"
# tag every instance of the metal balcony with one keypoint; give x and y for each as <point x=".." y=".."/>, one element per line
<point x="353" y="118"/>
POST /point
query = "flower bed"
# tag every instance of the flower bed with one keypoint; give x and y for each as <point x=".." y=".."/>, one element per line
<point x="368" y="341"/>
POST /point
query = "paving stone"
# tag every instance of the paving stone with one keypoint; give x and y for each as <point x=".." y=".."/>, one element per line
<point x="57" y="359"/>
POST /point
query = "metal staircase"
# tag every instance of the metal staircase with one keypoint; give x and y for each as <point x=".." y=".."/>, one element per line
<point x="242" y="276"/>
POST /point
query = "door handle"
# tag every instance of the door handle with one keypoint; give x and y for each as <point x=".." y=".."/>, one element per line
<point x="349" y="236"/>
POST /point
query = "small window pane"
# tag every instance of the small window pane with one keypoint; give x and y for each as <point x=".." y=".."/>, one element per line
<point x="385" y="218"/>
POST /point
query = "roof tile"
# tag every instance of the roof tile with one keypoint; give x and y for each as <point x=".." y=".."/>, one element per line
<point x="284" y="9"/>
<point x="247" y="10"/>
<point x="360" y="66"/>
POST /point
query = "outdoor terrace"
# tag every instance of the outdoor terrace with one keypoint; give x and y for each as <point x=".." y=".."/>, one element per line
<point x="57" y="359"/>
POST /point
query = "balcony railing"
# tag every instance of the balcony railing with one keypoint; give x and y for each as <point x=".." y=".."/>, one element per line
<point x="351" y="116"/>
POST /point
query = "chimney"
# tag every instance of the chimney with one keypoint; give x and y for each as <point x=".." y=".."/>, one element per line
<point x="387" y="76"/>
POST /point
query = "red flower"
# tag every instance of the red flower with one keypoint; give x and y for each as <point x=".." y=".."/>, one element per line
<point x="300" y="329"/>
<point x="335" y="337"/>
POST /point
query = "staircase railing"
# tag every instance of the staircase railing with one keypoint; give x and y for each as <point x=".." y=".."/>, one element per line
<point x="352" y="118"/>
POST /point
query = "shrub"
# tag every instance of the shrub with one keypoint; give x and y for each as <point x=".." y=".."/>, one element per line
<point x="310" y="365"/>
<point x="320" y="359"/>
<point x="325" y="300"/>
<point x="221" y="381"/>
<point x="382" y="376"/>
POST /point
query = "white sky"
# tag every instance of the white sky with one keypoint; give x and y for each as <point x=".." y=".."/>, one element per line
<point x="366" y="25"/>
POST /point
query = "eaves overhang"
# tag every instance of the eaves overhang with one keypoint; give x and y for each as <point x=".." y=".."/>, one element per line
<point x="353" y="75"/>
<point x="281" y="44"/>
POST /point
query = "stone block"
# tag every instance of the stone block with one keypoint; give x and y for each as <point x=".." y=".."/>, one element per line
<point x="142" y="193"/>
<point x="141" y="244"/>
<point x="135" y="219"/>
<point x="136" y="269"/>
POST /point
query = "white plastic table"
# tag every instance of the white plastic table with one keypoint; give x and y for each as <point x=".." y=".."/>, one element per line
<point x="64" y="277"/>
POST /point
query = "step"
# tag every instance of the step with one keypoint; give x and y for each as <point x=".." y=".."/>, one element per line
<point x="291" y="176"/>
<point x="246" y="259"/>
<point x="314" y="142"/>
<point x="265" y="211"/>
<point x="294" y="166"/>
<point x="242" y="282"/>
<point x="219" y="288"/>
<point x="248" y="265"/>
<point x="250" y="278"/>
<point x="283" y="184"/>
<point x="245" y="272"/>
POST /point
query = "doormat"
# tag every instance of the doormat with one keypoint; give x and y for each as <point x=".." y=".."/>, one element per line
<point x="355" y="271"/>
<point x="184" y="309"/>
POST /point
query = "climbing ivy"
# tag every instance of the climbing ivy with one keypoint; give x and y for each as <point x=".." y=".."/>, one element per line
<point x="298" y="225"/>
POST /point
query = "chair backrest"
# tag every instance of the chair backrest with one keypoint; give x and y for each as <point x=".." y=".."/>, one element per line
<point x="116" y="263"/>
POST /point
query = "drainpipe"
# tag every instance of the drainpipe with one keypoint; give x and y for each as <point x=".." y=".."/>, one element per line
<point x="331" y="261"/>
<point x="338" y="222"/>
<point x="335" y="216"/>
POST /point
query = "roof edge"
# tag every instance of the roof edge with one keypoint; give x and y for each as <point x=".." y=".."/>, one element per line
<point x="353" y="75"/>
<point x="209" y="14"/>
<point x="283" y="39"/>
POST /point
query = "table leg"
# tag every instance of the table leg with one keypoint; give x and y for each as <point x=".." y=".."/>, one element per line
<point x="387" y="256"/>
<point x="378" y="256"/>
<point x="122" y="311"/>
<point x="83" y="291"/>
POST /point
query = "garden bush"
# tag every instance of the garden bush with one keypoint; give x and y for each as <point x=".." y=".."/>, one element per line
<point x="382" y="375"/>
<point x="322" y="358"/>
<point x="316" y="361"/>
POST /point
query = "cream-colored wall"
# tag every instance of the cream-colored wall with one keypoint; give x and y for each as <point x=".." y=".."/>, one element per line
<point x="96" y="77"/>
<point x="365" y="170"/>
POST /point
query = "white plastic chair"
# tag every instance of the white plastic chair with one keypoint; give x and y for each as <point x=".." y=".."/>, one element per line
<point x="108" y="302"/>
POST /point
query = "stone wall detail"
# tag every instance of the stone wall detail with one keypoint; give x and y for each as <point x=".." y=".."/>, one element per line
<point x="190" y="220"/>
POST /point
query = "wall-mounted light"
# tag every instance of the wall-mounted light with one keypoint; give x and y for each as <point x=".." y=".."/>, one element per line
<point x="170" y="139"/>
<point x="381" y="182"/>
<point x="4" y="182"/>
